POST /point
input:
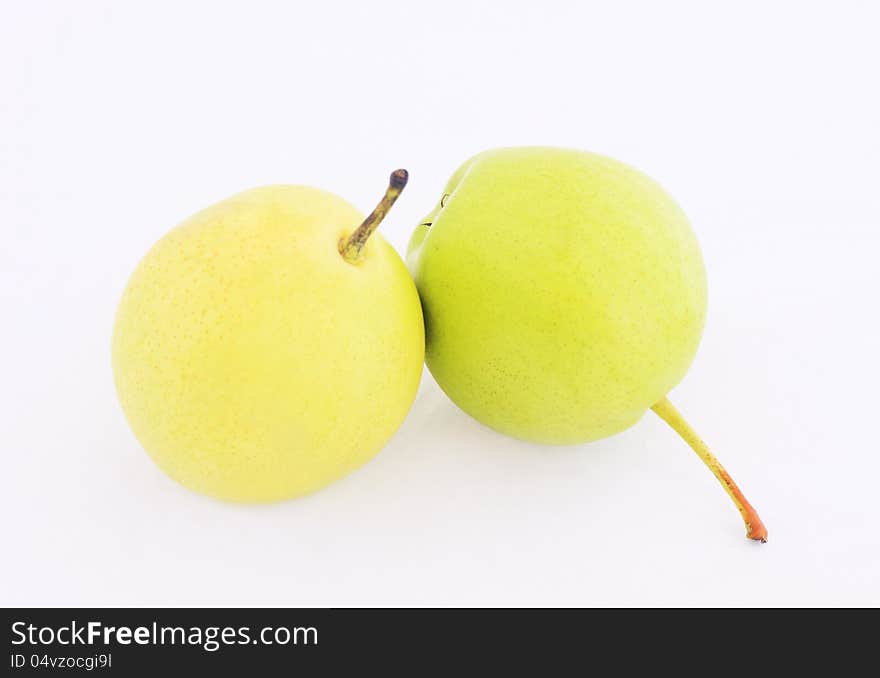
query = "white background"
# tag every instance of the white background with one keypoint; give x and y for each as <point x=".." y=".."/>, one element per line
<point x="117" y="120"/>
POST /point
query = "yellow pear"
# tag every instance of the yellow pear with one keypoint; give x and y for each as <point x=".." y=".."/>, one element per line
<point x="268" y="345"/>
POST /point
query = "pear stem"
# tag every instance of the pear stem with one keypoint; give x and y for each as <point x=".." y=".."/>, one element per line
<point x="351" y="247"/>
<point x="754" y="527"/>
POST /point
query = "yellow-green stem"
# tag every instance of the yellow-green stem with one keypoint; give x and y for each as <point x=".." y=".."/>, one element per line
<point x="754" y="527"/>
<point x="350" y="248"/>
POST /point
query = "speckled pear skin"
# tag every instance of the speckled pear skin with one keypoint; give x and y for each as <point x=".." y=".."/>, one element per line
<point x="564" y="293"/>
<point x="252" y="361"/>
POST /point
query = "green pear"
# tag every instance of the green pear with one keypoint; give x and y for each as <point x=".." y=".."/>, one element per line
<point x="268" y="345"/>
<point x="564" y="295"/>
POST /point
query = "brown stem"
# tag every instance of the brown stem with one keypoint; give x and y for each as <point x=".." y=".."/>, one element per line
<point x="350" y="248"/>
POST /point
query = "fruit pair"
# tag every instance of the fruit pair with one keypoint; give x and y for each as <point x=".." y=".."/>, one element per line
<point x="269" y="345"/>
